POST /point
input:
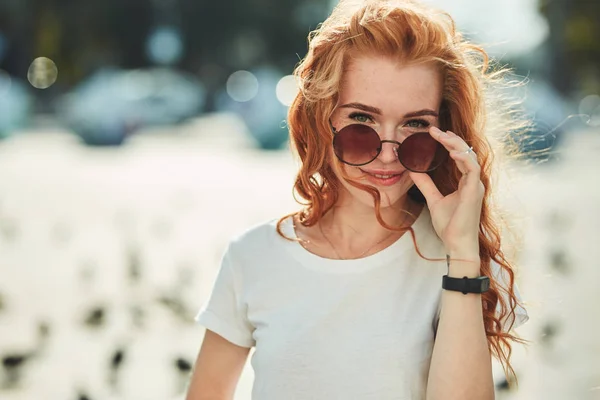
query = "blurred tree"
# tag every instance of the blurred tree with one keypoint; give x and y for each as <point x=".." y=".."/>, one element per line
<point x="573" y="45"/>
<point x="16" y="26"/>
<point x="222" y="36"/>
<point x="218" y="37"/>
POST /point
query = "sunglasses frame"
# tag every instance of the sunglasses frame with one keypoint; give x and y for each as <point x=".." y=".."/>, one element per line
<point x="381" y="142"/>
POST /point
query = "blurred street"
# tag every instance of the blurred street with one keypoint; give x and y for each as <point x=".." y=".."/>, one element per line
<point x="111" y="251"/>
<point x="106" y="254"/>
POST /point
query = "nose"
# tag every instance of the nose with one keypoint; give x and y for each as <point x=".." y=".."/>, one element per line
<point x="389" y="152"/>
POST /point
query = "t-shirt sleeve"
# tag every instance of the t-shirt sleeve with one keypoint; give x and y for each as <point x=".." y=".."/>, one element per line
<point x="223" y="312"/>
<point x="521" y="316"/>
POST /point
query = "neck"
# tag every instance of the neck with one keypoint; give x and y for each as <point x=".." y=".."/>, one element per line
<point x="352" y="226"/>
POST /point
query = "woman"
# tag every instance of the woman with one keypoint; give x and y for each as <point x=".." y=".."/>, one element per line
<point x="340" y="303"/>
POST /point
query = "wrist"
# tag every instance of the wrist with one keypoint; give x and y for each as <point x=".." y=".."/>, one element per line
<point x="461" y="266"/>
<point x="463" y="251"/>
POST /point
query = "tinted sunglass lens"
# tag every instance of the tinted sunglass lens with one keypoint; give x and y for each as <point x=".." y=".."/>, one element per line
<point x="421" y="153"/>
<point x="356" y="144"/>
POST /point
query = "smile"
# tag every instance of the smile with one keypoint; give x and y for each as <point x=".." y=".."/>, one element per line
<point x="386" y="179"/>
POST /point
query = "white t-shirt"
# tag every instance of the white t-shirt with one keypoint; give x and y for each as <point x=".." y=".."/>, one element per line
<point x="331" y="329"/>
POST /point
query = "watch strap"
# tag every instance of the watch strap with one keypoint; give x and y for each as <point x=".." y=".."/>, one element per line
<point x="481" y="284"/>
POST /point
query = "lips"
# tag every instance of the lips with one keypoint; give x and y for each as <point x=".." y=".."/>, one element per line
<point x="382" y="174"/>
<point x="382" y="177"/>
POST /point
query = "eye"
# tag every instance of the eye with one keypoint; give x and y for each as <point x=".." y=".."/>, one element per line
<point x="417" y="123"/>
<point x="360" y="117"/>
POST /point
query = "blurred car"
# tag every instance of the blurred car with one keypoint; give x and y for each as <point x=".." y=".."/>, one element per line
<point x="15" y="105"/>
<point x="263" y="113"/>
<point x="114" y="103"/>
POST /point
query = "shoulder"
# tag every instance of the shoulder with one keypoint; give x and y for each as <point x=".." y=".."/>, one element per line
<point x="257" y="239"/>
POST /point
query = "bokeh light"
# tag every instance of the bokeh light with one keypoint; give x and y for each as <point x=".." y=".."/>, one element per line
<point x="242" y="86"/>
<point x="42" y="73"/>
<point x="165" y="45"/>
<point x="590" y="106"/>
<point x="286" y="90"/>
<point x="5" y="82"/>
<point x="264" y="114"/>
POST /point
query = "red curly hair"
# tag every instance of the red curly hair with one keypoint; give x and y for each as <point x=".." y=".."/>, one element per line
<point x="409" y="32"/>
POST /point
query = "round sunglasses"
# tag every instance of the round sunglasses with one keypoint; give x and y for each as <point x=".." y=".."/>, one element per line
<point x="359" y="144"/>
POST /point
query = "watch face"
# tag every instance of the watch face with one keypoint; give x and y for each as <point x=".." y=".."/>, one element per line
<point x="485" y="284"/>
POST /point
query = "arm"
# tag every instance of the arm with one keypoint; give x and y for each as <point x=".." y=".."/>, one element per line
<point x="217" y="369"/>
<point x="461" y="365"/>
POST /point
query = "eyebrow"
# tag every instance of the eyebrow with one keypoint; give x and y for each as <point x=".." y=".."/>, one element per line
<point x="377" y="111"/>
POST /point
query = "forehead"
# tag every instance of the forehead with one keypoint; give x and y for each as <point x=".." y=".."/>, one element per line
<point x="392" y="87"/>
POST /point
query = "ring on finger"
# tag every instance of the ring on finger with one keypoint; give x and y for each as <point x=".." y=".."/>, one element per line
<point x="469" y="150"/>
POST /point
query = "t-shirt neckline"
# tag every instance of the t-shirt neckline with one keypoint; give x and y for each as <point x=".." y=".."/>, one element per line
<point x="382" y="257"/>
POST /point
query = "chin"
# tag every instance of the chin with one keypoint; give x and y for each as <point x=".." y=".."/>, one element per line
<point x="388" y="197"/>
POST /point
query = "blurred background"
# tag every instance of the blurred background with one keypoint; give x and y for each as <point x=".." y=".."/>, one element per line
<point x="130" y="131"/>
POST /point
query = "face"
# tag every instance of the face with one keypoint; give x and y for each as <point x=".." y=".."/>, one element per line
<point x="385" y="95"/>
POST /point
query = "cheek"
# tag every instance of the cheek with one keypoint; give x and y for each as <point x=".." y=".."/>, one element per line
<point x="353" y="171"/>
<point x="350" y="171"/>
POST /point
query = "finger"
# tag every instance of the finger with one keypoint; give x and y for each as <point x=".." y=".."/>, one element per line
<point x="450" y="140"/>
<point x="466" y="163"/>
<point x="426" y="186"/>
<point x="437" y="133"/>
<point x="466" y="160"/>
<point x="462" y="163"/>
<point x="468" y="167"/>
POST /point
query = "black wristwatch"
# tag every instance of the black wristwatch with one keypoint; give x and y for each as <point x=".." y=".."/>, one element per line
<point x="481" y="284"/>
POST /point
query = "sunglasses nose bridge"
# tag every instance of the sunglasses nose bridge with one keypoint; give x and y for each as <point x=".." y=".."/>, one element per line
<point x="394" y="142"/>
<point x="395" y="147"/>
